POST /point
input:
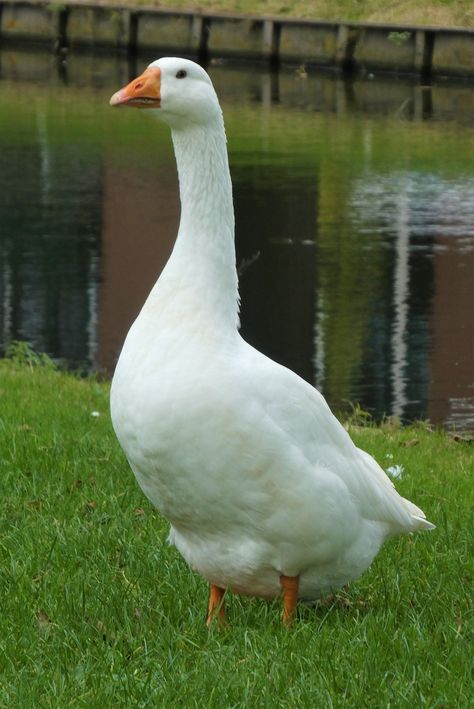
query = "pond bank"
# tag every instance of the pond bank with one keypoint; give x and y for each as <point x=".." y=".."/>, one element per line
<point x="342" y="46"/>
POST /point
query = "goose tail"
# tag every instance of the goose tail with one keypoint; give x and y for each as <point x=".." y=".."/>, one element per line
<point x="418" y="517"/>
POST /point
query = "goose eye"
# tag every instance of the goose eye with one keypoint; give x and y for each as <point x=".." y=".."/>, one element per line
<point x="181" y="74"/>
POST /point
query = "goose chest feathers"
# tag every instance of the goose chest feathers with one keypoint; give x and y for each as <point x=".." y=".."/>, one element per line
<point x="264" y="489"/>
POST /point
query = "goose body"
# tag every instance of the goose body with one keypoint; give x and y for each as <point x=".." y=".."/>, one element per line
<point x="257" y="478"/>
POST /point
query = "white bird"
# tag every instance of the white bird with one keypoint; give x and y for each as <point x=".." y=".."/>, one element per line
<point x="265" y="491"/>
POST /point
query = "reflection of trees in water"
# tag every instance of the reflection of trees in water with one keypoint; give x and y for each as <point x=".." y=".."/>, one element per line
<point x="350" y="277"/>
<point x="344" y="290"/>
<point x="50" y="230"/>
<point x="276" y="216"/>
<point x="375" y="322"/>
<point x="367" y="299"/>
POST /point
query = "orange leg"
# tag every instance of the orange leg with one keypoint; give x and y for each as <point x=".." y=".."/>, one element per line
<point x="289" y="585"/>
<point x="216" y="605"/>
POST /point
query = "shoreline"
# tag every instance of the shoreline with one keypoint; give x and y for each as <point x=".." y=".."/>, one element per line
<point x="343" y="46"/>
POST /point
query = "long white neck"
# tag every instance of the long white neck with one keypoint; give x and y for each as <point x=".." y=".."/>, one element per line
<point x="201" y="269"/>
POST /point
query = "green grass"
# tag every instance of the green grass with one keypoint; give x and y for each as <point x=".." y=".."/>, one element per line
<point x="97" y="610"/>
<point x="408" y="12"/>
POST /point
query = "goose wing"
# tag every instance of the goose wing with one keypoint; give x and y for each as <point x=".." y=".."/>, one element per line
<point x="304" y="418"/>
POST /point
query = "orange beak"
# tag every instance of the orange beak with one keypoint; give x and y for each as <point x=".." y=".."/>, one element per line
<point x="142" y="92"/>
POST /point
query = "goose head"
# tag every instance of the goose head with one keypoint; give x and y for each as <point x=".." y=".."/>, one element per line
<point x="179" y="89"/>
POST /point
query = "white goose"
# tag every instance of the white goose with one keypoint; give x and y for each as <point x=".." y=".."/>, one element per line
<point x="264" y="489"/>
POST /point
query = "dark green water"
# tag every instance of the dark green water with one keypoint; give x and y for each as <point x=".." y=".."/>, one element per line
<point x="355" y="224"/>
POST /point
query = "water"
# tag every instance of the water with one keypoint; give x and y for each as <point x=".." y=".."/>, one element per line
<point x="355" y="224"/>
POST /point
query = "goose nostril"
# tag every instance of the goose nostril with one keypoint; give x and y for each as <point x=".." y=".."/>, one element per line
<point x="138" y="85"/>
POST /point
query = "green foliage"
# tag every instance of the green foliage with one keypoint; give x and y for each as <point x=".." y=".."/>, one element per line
<point x="97" y="609"/>
<point x="22" y="354"/>
<point x="56" y="7"/>
<point x="399" y="38"/>
<point x="432" y="12"/>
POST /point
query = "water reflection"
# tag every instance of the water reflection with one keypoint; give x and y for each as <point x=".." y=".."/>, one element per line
<point x="430" y="221"/>
<point x="355" y="224"/>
